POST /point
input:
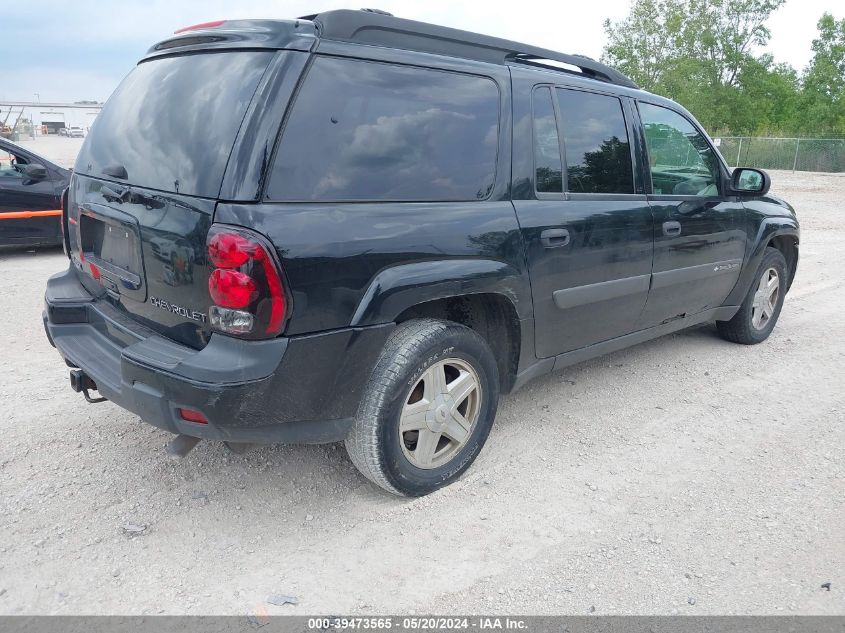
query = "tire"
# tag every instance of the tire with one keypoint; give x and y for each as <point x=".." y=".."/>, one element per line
<point x="749" y="326"/>
<point x="419" y="382"/>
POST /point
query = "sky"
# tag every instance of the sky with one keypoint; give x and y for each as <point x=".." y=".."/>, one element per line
<point x="58" y="50"/>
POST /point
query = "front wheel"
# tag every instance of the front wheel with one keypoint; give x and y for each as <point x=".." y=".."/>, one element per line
<point x="762" y="305"/>
<point x="428" y="408"/>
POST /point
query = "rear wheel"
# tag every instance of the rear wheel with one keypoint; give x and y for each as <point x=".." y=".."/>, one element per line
<point x="428" y="408"/>
<point x="762" y="305"/>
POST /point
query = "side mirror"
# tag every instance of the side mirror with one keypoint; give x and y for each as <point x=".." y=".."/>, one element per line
<point x="748" y="181"/>
<point x="34" y="171"/>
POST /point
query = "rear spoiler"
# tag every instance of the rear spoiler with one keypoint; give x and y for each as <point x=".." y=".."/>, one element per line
<point x="297" y="35"/>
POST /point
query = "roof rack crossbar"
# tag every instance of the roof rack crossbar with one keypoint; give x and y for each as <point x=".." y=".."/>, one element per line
<point x="368" y="27"/>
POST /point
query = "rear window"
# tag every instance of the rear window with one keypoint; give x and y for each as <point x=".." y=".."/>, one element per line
<point x="372" y="131"/>
<point x="172" y="122"/>
<point x="598" y="154"/>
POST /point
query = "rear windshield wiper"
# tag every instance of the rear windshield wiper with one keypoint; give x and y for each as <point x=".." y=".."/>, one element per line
<point x="115" y="194"/>
<point x="124" y="194"/>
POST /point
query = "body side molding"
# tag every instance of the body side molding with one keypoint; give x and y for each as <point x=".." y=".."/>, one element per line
<point x="694" y="273"/>
<point x="601" y="291"/>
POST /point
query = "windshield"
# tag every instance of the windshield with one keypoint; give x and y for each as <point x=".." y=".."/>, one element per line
<point x="172" y="122"/>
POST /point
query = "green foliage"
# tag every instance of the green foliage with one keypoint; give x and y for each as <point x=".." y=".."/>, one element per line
<point x="701" y="53"/>
<point x="823" y="97"/>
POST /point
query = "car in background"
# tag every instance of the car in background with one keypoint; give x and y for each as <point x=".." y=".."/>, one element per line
<point x="30" y="197"/>
<point x="63" y="131"/>
<point x="76" y="132"/>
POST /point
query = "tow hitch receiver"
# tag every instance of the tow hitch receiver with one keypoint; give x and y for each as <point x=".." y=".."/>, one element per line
<point x="80" y="382"/>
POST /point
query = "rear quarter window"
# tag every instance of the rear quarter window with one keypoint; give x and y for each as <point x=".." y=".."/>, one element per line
<point x="547" y="164"/>
<point x="373" y="131"/>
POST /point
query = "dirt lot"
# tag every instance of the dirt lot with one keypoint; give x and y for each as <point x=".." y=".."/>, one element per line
<point x="686" y="475"/>
<point x="62" y="150"/>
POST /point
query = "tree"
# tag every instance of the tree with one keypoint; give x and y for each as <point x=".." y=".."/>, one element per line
<point x="639" y="46"/>
<point x="823" y="95"/>
<point x="715" y="35"/>
<point x="767" y="98"/>
<point x="700" y="53"/>
<point x="720" y="33"/>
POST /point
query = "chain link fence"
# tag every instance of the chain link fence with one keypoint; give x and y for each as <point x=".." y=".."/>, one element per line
<point x="796" y="154"/>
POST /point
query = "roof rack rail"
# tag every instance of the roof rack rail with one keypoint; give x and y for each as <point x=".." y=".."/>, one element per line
<point x="382" y="29"/>
<point x="586" y="67"/>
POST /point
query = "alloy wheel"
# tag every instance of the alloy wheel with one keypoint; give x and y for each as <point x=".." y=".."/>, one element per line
<point x="440" y="413"/>
<point x="765" y="299"/>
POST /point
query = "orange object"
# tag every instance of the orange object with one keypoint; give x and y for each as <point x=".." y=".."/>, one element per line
<point x="21" y="215"/>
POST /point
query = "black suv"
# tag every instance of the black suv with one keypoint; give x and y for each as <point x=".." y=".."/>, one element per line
<point x="356" y="227"/>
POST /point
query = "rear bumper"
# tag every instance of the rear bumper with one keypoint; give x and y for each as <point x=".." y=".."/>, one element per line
<point x="302" y="389"/>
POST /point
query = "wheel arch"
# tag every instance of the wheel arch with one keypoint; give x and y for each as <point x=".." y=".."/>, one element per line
<point x="787" y="244"/>
<point x="487" y="296"/>
<point x="781" y="233"/>
<point x="490" y="315"/>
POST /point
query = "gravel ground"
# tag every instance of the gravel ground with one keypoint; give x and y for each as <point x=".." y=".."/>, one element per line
<point x="685" y="475"/>
<point x="62" y="150"/>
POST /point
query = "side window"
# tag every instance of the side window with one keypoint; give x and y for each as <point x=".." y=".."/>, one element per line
<point x="598" y="153"/>
<point x="373" y="131"/>
<point x="11" y="165"/>
<point x="547" y="164"/>
<point x="680" y="158"/>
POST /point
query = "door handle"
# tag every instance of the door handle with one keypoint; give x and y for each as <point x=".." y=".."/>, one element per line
<point x="554" y="238"/>
<point x="671" y="229"/>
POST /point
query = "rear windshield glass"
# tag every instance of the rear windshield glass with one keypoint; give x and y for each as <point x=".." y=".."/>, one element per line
<point x="172" y="122"/>
<point x="372" y="131"/>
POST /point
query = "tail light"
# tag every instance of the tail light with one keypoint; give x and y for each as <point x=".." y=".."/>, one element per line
<point x="245" y="285"/>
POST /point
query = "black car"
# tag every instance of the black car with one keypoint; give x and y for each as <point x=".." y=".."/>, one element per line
<point x="30" y="197"/>
<point x="356" y="227"/>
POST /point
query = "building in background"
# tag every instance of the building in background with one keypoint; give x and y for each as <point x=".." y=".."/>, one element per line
<point x="26" y="119"/>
